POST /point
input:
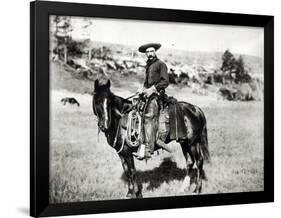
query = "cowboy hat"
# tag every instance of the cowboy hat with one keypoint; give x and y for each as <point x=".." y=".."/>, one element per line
<point x="143" y="48"/>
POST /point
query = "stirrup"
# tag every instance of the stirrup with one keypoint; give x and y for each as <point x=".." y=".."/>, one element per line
<point x="142" y="153"/>
<point x="145" y="157"/>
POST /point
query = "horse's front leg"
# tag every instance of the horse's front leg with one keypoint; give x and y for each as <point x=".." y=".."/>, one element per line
<point x="134" y="187"/>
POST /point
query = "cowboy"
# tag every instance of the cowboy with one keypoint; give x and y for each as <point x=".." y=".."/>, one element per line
<point x="156" y="80"/>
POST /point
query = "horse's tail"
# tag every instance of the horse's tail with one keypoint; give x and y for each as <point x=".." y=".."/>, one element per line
<point x="204" y="146"/>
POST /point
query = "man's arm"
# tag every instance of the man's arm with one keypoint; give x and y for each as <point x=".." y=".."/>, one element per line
<point x="164" y="77"/>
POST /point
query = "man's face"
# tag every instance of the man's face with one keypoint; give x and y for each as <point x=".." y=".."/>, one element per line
<point x="150" y="53"/>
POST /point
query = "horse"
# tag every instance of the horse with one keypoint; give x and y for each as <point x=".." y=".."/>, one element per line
<point x="112" y="112"/>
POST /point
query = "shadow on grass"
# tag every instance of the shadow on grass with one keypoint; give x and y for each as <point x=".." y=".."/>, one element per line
<point x="166" y="172"/>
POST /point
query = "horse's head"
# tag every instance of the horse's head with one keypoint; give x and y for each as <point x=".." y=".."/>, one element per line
<point x="102" y="103"/>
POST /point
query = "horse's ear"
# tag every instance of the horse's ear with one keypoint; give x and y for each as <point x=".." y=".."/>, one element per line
<point x="96" y="84"/>
<point x="108" y="83"/>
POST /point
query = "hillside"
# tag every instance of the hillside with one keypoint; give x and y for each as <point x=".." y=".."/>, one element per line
<point x="211" y="59"/>
<point x="198" y="72"/>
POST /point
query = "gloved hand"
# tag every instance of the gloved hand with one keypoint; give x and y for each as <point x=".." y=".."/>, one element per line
<point x="140" y="90"/>
<point x="148" y="92"/>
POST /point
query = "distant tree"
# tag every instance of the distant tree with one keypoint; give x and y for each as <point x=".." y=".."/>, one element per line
<point x="77" y="48"/>
<point x="241" y="74"/>
<point x="63" y="29"/>
<point x="88" y="34"/>
<point x="234" y="69"/>
<point x="241" y="65"/>
<point x="228" y="62"/>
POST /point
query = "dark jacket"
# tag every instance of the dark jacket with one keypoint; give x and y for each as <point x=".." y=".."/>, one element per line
<point x="156" y="74"/>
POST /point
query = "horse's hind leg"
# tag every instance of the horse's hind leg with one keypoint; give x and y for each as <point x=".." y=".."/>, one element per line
<point x="196" y="152"/>
<point x="189" y="158"/>
<point x="186" y="152"/>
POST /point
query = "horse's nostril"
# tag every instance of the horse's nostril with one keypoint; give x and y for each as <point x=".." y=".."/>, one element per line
<point x="102" y="128"/>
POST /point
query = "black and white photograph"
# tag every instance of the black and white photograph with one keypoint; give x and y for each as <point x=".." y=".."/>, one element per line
<point x="145" y="109"/>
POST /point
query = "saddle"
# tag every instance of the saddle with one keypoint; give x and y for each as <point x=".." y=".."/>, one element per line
<point x="171" y="122"/>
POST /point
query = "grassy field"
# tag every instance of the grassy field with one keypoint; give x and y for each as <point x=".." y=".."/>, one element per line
<point x="85" y="168"/>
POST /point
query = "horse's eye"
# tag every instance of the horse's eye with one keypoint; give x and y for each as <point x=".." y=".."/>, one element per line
<point x="99" y="112"/>
<point x="98" y="99"/>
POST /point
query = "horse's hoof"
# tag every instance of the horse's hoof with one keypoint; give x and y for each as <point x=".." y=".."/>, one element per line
<point x="139" y="195"/>
<point x="197" y="191"/>
<point x="131" y="195"/>
<point x="183" y="189"/>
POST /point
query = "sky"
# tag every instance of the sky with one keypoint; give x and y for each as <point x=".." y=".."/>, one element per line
<point x="186" y="36"/>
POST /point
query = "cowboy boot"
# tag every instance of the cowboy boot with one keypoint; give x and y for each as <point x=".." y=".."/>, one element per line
<point x="147" y="152"/>
<point x="149" y="131"/>
<point x="143" y="152"/>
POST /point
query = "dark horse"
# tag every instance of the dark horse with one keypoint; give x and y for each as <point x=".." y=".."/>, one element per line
<point x="112" y="111"/>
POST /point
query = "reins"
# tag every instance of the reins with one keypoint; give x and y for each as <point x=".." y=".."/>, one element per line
<point x="95" y="111"/>
<point x="118" y="127"/>
<point x="115" y="139"/>
<point x="131" y="96"/>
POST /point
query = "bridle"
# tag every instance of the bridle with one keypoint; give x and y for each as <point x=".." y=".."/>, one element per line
<point x="95" y="108"/>
<point x="118" y="127"/>
<point x="108" y="120"/>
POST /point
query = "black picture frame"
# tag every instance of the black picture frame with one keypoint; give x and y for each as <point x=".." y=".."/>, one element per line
<point x="40" y="107"/>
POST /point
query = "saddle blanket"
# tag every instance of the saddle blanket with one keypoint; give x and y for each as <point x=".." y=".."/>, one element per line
<point x="171" y="121"/>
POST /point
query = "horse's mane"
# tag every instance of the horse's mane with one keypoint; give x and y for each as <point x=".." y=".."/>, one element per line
<point x="124" y="100"/>
<point x="123" y="105"/>
<point x="102" y="87"/>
